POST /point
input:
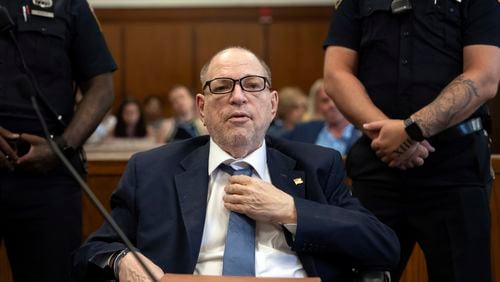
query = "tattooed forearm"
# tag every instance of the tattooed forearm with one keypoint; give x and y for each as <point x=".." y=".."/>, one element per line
<point x="440" y="114"/>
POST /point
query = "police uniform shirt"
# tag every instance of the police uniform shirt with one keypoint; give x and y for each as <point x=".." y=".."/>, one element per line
<point x="62" y="44"/>
<point x="406" y="59"/>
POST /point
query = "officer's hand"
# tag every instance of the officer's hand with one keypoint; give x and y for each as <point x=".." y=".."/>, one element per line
<point x="414" y="156"/>
<point x="39" y="158"/>
<point x="8" y="154"/>
<point x="391" y="135"/>
<point x="259" y="200"/>
<point x="130" y="270"/>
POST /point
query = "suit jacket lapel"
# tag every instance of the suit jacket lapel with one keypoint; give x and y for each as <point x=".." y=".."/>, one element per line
<point x="291" y="181"/>
<point x="283" y="173"/>
<point x="192" y="187"/>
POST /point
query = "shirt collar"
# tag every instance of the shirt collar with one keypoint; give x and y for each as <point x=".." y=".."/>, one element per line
<point x="257" y="159"/>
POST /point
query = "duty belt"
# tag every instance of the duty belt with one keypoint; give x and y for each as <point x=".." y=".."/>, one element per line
<point x="462" y="129"/>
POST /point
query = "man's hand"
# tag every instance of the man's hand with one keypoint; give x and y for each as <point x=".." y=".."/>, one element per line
<point x="8" y="155"/>
<point x="259" y="200"/>
<point x="391" y="135"/>
<point x="414" y="156"/>
<point x="130" y="270"/>
<point x="39" y="158"/>
<point x="393" y="146"/>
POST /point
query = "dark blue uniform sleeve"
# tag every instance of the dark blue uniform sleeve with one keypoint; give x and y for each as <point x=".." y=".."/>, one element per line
<point x="345" y="26"/>
<point x="90" y="54"/>
<point x="481" y="23"/>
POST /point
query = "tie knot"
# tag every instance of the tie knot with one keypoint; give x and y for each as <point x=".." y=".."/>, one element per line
<point x="231" y="171"/>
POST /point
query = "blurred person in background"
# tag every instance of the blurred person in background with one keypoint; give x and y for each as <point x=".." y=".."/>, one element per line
<point x="291" y="110"/>
<point x="313" y="112"/>
<point x="333" y="130"/>
<point x="130" y="121"/>
<point x="104" y="129"/>
<point x="185" y="123"/>
<point x="153" y="107"/>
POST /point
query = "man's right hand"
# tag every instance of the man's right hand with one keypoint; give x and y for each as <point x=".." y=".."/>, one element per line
<point x="8" y="155"/>
<point x="414" y="156"/>
<point x="130" y="270"/>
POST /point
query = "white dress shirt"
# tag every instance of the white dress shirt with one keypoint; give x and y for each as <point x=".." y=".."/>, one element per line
<point x="273" y="256"/>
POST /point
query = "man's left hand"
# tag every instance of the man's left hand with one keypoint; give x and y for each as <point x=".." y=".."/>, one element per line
<point x="39" y="158"/>
<point x="259" y="200"/>
<point x="391" y="135"/>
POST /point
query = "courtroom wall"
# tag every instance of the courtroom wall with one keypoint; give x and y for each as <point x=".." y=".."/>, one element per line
<point x="156" y="48"/>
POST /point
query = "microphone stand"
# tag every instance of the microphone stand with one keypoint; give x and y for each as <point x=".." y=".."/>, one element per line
<point x="53" y="146"/>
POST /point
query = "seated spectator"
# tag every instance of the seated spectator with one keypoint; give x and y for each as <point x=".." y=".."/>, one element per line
<point x="291" y="110"/>
<point x="235" y="202"/>
<point x="185" y="123"/>
<point x="104" y="129"/>
<point x="334" y="131"/>
<point x="130" y="121"/>
<point x="313" y="112"/>
<point x="154" y="115"/>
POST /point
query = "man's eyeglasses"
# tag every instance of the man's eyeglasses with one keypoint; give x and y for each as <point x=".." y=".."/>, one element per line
<point x="250" y="83"/>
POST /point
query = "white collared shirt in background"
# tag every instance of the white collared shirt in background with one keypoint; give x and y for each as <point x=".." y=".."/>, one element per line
<point x="273" y="256"/>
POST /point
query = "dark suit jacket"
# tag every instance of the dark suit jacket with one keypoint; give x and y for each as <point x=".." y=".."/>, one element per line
<point x="161" y="203"/>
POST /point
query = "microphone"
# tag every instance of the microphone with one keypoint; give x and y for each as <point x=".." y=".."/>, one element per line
<point x="6" y="22"/>
<point x="28" y="87"/>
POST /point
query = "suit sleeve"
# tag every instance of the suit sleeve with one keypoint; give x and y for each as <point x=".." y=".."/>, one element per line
<point x="342" y="227"/>
<point x="90" y="261"/>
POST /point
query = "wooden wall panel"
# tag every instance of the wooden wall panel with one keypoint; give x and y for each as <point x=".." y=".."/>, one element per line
<point x="113" y="34"/>
<point x="212" y="37"/>
<point x="157" y="56"/>
<point x="295" y="53"/>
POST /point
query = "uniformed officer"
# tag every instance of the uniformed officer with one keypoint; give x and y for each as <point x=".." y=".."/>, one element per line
<point x="414" y="76"/>
<point x="40" y="203"/>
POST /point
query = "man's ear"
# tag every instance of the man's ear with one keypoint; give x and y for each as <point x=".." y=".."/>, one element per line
<point x="200" y="106"/>
<point x="274" y="102"/>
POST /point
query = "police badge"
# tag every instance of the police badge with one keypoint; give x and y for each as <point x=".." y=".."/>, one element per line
<point x="43" y="3"/>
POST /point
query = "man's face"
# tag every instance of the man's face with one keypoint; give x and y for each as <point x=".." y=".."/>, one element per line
<point x="238" y="119"/>
<point x="181" y="100"/>
<point x="327" y="108"/>
<point x="131" y="114"/>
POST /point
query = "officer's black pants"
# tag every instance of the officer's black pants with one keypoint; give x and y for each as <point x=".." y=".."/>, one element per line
<point x="40" y="224"/>
<point x="451" y="222"/>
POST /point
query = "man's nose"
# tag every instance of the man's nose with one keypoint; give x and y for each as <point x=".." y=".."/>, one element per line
<point x="238" y="95"/>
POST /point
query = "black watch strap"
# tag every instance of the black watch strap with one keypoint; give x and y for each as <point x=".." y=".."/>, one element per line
<point x="413" y="130"/>
<point x="115" y="260"/>
<point x="61" y="143"/>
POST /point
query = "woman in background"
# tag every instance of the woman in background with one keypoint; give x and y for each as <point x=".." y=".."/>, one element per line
<point x="130" y="121"/>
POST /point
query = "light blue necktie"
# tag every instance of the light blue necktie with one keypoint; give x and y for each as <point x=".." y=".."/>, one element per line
<point x="239" y="251"/>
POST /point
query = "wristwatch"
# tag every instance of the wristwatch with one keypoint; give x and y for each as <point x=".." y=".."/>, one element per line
<point x="66" y="149"/>
<point x="115" y="260"/>
<point x="413" y="130"/>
